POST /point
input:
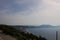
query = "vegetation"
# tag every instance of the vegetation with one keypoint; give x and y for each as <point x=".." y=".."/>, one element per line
<point x="20" y="35"/>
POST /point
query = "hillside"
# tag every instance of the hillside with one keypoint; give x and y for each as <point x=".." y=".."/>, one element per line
<point x="6" y="37"/>
<point x="18" y="34"/>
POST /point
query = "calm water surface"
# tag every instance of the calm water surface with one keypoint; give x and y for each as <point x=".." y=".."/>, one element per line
<point x="48" y="33"/>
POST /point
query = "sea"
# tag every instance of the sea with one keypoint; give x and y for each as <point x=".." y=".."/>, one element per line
<point x="48" y="33"/>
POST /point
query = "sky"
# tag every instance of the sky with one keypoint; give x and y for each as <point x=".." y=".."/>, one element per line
<point x="30" y="12"/>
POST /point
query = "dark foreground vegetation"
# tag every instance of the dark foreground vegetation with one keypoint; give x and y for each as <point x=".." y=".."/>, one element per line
<point x="20" y="35"/>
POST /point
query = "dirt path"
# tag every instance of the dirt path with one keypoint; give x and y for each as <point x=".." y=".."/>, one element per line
<point x="6" y="37"/>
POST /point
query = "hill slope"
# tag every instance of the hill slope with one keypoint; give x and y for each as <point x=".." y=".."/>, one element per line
<point x="19" y="34"/>
<point x="6" y="37"/>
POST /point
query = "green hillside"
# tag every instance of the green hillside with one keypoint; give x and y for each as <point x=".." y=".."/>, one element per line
<point x="20" y="35"/>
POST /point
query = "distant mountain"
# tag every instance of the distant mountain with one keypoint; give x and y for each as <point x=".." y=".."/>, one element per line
<point x="31" y="26"/>
<point x="48" y="26"/>
<point x="41" y="26"/>
<point x="45" y="26"/>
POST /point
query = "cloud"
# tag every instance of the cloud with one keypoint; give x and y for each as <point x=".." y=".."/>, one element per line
<point x="36" y="12"/>
<point x="14" y="6"/>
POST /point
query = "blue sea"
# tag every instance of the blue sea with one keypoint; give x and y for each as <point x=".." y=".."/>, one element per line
<point x="48" y="33"/>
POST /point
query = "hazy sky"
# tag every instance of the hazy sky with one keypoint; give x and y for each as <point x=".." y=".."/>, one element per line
<point x="30" y="12"/>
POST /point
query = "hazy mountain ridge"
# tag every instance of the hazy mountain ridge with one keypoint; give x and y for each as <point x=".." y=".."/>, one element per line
<point x="46" y="26"/>
<point x="41" y="26"/>
<point x="28" y="26"/>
